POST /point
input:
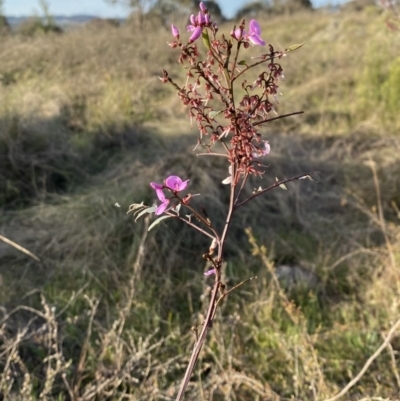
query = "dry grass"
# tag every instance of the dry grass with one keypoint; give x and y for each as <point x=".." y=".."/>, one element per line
<point x="106" y="313"/>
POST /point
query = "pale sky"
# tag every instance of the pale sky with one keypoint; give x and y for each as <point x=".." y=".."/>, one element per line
<point x="100" y="7"/>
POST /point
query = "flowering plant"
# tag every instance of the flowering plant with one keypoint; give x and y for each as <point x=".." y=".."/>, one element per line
<point x="232" y="127"/>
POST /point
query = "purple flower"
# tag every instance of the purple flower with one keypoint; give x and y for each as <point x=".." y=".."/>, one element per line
<point x="209" y="272"/>
<point x="175" y="31"/>
<point x="156" y="186"/>
<point x="196" y="33"/>
<point x="175" y="183"/>
<point x="254" y="33"/>
<point x="201" y="18"/>
<point x="238" y="33"/>
<point x="160" y="194"/>
<point x="197" y="23"/>
<point x="164" y="202"/>
<point x="264" y="152"/>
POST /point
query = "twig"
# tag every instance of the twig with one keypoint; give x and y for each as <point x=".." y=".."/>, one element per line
<point x="233" y="289"/>
<point x="278" y="118"/>
<point x="274" y="185"/>
<point x="19" y="247"/>
<point x="394" y="366"/>
<point x="367" y="364"/>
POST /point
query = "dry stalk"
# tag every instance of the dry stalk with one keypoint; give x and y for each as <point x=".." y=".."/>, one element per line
<point x="367" y="364"/>
<point x="19" y="247"/>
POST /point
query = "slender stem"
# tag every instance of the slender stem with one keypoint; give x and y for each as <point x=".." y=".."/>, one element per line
<point x="249" y="67"/>
<point x="225" y="294"/>
<point x="367" y="364"/>
<point x="212" y="154"/>
<point x="213" y="301"/>
<point x="189" y="223"/>
<point x="235" y="61"/>
<point x="241" y="187"/>
<point x="276" y="184"/>
<point x="277" y="118"/>
<point x="199" y="343"/>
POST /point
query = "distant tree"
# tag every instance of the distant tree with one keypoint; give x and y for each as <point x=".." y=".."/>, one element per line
<point x="4" y="25"/>
<point x="251" y="10"/>
<point x="273" y="7"/>
<point x="163" y="8"/>
<point x="40" y="24"/>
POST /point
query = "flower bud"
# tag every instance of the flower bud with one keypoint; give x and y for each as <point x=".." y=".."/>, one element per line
<point x="175" y="31"/>
<point x="200" y="18"/>
<point x="196" y="34"/>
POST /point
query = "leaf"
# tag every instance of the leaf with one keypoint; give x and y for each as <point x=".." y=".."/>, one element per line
<point x="242" y="62"/>
<point x="227" y="180"/>
<point x="134" y="206"/>
<point x="158" y="221"/>
<point x="294" y="47"/>
<point x="206" y="39"/>
<point x="214" y="113"/>
<point x="283" y="186"/>
<point x="309" y="177"/>
<point x="147" y="210"/>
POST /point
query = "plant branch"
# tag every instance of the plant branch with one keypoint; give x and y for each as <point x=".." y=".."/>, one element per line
<point x="213" y="301"/>
<point x="276" y="184"/>
<point x="251" y="66"/>
<point x="200" y="341"/>
<point x="233" y="289"/>
<point x="189" y="223"/>
<point x="277" y="118"/>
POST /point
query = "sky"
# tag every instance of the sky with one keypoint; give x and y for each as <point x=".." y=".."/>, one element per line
<point x="100" y="7"/>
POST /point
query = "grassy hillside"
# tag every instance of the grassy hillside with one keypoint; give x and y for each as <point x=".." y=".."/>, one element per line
<point x="107" y="312"/>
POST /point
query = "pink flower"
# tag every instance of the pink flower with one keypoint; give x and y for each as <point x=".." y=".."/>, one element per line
<point x="209" y="272"/>
<point x="175" y="31"/>
<point x="254" y="33"/>
<point x="160" y="194"/>
<point x="238" y="33"/>
<point x="197" y="23"/>
<point x="164" y="203"/>
<point x="174" y="183"/>
<point x="196" y="33"/>
<point x="262" y="152"/>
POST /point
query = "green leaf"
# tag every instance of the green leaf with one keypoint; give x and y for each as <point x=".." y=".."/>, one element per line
<point x="294" y="47"/>
<point x="283" y="186"/>
<point x="147" y="210"/>
<point x="214" y="113"/>
<point x="309" y="177"/>
<point x="206" y="39"/>
<point x="242" y="62"/>
<point x="158" y="221"/>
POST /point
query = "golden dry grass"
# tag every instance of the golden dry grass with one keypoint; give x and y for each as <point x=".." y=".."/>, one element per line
<point x="106" y="313"/>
